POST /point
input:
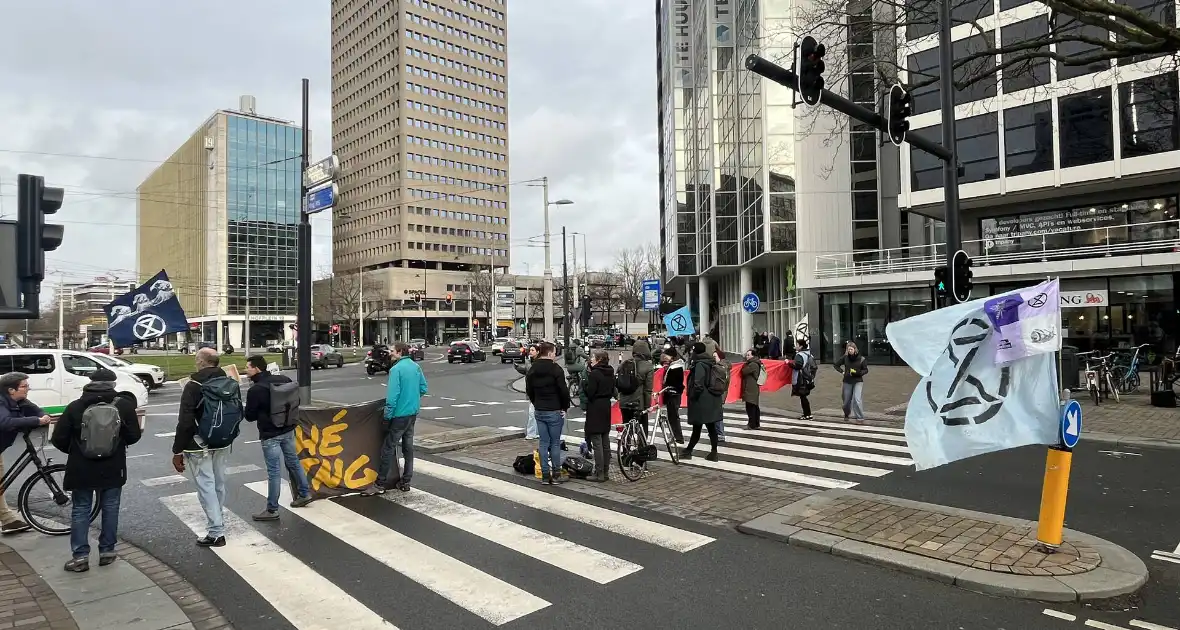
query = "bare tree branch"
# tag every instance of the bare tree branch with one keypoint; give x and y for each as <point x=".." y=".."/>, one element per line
<point x="343" y="304"/>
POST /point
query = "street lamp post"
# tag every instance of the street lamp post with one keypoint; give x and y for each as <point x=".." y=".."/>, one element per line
<point x="547" y="282"/>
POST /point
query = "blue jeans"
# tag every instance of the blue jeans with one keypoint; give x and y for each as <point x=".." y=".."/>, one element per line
<point x="530" y="428"/>
<point x="277" y="452"/>
<point x="208" y="470"/>
<point x="550" y="424"/>
<point x="399" y="434"/>
<point x="83" y="503"/>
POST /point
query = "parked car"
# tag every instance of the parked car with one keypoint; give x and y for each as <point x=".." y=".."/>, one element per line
<point x="419" y="342"/>
<point x="152" y="376"/>
<point x="323" y="355"/>
<point x="512" y="352"/>
<point x="105" y="349"/>
<point x="56" y="377"/>
<point x="465" y="352"/>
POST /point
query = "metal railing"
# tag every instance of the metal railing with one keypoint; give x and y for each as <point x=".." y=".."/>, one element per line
<point x="1125" y="240"/>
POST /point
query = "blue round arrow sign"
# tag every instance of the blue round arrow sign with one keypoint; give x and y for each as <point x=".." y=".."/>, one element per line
<point x="1071" y="424"/>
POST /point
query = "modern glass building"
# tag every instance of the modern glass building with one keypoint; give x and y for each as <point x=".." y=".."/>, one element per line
<point x="220" y="216"/>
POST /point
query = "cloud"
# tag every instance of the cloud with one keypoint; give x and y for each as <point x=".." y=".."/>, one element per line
<point x="99" y="94"/>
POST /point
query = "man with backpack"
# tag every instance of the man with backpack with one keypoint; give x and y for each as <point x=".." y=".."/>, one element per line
<point x="206" y="426"/>
<point x="803" y="370"/>
<point x="273" y="402"/>
<point x="634" y="382"/>
<point x="94" y="432"/>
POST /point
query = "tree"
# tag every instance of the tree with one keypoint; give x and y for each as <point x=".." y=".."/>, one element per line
<point x="632" y="266"/>
<point x="343" y="304"/>
<point x="483" y="288"/>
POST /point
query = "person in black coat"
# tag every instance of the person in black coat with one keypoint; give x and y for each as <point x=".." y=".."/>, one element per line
<point x="674" y="381"/>
<point x="600" y="389"/>
<point x="87" y="477"/>
<point x="546" y="388"/>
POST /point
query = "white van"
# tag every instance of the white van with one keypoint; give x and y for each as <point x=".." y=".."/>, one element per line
<point x="56" y="377"/>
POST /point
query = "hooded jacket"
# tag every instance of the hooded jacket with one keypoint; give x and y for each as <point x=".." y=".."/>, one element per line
<point x="645" y="372"/>
<point x="258" y="405"/>
<point x="405" y="389"/>
<point x="546" y="387"/>
<point x="190" y="410"/>
<point x="14" y="416"/>
<point x="600" y="388"/>
<point x="703" y="406"/>
<point x="83" y="473"/>
<point x="674" y="378"/>
<point x="853" y="367"/>
<point x="751" y="369"/>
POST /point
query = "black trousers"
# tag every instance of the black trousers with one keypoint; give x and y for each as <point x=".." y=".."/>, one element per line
<point x="672" y="404"/>
<point x="696" y="436"/>
<point x="805" y="404"/>
<point x="754" y="415"/>
<point x="641" y="415"/>
<point x="600" y="444"/>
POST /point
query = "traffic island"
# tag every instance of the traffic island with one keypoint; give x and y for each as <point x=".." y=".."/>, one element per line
<point x="981" y="552"/>
<point x="444" y="441"/>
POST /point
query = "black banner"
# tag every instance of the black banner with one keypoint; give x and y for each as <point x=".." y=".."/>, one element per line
<point x="340" y="447"/>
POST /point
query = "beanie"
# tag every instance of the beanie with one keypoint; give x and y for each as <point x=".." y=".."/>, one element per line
<point x="103" y="374"/>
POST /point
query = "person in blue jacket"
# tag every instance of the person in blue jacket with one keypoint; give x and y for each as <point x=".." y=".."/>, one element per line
<point x="403" y="399"/>
<point x="17" y="413"/>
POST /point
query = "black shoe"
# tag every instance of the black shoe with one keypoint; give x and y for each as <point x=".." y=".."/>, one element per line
<point x="78" y="565"/>
<point x="15" y="527"/>
<point x="208" y="541"/>
<point x="404" y="486"/>
<point x="685" y="454"/>
<point x="712" y="457"/>
<point x="106" y="558"/>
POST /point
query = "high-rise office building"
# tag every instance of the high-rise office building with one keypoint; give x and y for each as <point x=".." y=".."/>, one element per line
<point x="420" y="124"/>
<point x="220" y="216"/>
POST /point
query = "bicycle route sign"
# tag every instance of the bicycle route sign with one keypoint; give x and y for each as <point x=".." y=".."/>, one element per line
<point x="750" y="303"/>
<point x="1071" y="424"/>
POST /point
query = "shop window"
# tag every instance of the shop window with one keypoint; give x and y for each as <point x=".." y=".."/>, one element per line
<point x="836" y="327"/>
<point x="1143" y="311"/>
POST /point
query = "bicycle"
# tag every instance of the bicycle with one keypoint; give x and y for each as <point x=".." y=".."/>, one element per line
<point x="1098" y="380"/>
<point x="45" y="472"/>
<point x="1128" y="379"/>
<point x="632" y="448"/>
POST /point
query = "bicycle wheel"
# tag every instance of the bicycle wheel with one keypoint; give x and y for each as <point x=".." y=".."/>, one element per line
<point x="629" y="442"/>
<point x="669" y="441"/>
<point x="48" y="512"/>
<point x="1094" y="394"/>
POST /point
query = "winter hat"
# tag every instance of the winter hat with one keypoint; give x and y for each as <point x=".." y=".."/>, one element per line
<point x="698" y="348"/>
<point x="103" y="374"/>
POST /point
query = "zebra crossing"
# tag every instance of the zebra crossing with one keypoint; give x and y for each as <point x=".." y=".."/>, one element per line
<point x="814" y="453"/>
<point x="482" y="544"/>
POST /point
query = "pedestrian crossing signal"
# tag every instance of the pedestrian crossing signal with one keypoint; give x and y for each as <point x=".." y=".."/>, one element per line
<point x="940" y="282"/>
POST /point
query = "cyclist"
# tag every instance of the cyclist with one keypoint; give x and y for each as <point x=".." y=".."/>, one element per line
<point x="17" y="413"/>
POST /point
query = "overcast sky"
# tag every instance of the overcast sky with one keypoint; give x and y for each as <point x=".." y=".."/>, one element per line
<point x="96" y="94"/>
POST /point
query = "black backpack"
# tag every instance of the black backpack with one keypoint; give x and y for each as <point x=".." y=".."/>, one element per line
<point x="627" y="381"/>
<point x="284" y="401"/>
<point x="524" y="464"/>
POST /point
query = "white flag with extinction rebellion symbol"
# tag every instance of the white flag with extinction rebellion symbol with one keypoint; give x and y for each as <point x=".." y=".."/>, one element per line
<point x="966" y="404"/>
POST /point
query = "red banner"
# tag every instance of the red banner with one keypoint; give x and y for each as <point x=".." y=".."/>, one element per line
<point x="778" y="376"/>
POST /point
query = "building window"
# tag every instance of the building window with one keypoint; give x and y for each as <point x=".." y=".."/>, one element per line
<point x="1077" y="49"/>
<point x="1028" y="138"/>
<point x="978" y="144"/>
<point x="1032" y="72"/>
<point x="1147" y="110"/>
<point x="1160" y="11"/>
<point x="981" y="69"/>
<point x="925" y="169"/>
<point x="923" y="67"/>
<point x="1087" y="135"/>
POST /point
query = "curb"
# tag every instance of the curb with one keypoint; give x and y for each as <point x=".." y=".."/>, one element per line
<point x="1120" y="572"/>
<point x="513" y="385"/>
<point x="199" y="610"/>
<point x="500" y="436"/>
<point x="1131" y="440"/>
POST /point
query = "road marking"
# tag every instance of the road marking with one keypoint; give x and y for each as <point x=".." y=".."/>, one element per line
<point x="134" y="456"/>
<point x="591" y="564"/>
<point x="252" y="441"/>
<point x="165" y="435"/>
<point x="737" y="427"/>
<point x="295" y="590"/>
<point x="820" y="423"/>
<point x="822" y="464"/>
<point x="1094" y="623"/>
<point x="444" y="418"/>
<point x="480" y="415"/>
<point x="430" y="408"/>
<point x="463" y="405"/>
<point x="1147" y="625"/>
<point x="515" y="411"/>
<point x="479" y="402"/>
<point x="651" y="532"/>
<point x="494" y="600"/>
<point x="233" y="470"/>
<point x="160" y="415"/>
<point x="1059" y="615"/>
<point x="168" y="480"/>
<point x="445" y="398"/>
<point x="1166" y="556"/>
<point x="1120" y="453"/>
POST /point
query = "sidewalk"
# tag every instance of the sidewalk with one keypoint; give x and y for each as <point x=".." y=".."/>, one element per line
<point x="137" y="592"/>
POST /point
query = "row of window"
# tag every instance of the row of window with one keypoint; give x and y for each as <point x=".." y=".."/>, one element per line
<point x="450" y="63"/>
<point x="455" y="81"/>
<point x="450" y="231"/>
<point x="452" y="131"/>
<point x="455" y="115"/>
<point x="456" y="216"/>
<point x="1149" y="124"/>
<point x="460" y="249"/>
<point x="458" y="32"/>
<point x="463" y="166"/>
<point x="447" y="146"/>
<point x="455" y="181"/>
<point x="466" y="4"/>
<point x="455" y="98"/>
<point x="453" y="198"/>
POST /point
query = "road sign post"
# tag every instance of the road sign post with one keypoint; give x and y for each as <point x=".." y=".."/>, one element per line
<point x="750" y="303"/>
<point x="321" y="198"/>
<point x="651" y="295"/>
<point x="1051" y="522"/>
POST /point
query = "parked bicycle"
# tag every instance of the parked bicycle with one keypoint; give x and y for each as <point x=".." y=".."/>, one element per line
<point x="1099" y="383"/>
<point x="633" y="449"/>
<point x="1126" y="376"/>
<point x="50" y="515"/>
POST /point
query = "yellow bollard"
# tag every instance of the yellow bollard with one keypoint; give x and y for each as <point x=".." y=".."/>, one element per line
<point x="1053" y="495"/>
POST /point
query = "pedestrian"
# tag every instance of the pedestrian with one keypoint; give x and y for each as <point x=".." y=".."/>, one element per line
<point x="403" y="401"/>
<point x="704" y="403"/>
<point x="17" y="413"/>
<point x="530" y="427"/>
<point x="634" y="382"/>
<point x="719" y="357"/>
<point x="674" y="382"/>
<point x="546" y="388"/>
<point x="600" y="389"/>
<point x="854" y="367"/>
<point x="760" y="344"/>
<point x="94" y="432"/>
<point x="752" y="372"/>
<point x="206" y="426"/>
<point x="277" y="436"/>
<point x="803" y="371"/>
<point x="776" y="347"/>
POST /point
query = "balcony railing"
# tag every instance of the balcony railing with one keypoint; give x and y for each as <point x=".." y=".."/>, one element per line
<point x="1117" y="240"/>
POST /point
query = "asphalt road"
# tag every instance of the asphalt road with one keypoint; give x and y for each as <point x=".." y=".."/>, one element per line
<point x="1125" y="495"/>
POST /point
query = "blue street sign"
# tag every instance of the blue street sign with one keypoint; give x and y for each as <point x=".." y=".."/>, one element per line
<point x="679" y="322"/>
<point x="651" y="295"/>
<point x="751" y="303"/>
<point x="321" y="199"/>
<point x="1071" y="424"/>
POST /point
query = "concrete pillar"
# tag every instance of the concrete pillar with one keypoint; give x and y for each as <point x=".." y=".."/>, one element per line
<point x="746" y="329"/>
<point x="703" y="300"/>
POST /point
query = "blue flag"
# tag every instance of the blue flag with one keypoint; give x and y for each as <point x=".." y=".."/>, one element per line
<point x="149" y="312"/>
<point x="679" y="322"/>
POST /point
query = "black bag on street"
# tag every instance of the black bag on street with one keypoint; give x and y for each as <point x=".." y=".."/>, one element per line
<point x="524" y="464"/>
<point x="578" y="467"/>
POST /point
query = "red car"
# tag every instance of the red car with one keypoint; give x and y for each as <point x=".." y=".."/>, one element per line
<point x="105" y="349"/>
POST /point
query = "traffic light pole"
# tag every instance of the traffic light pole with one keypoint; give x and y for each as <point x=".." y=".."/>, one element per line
<point x="303" y="317"/>
<point x="950" y="166"/>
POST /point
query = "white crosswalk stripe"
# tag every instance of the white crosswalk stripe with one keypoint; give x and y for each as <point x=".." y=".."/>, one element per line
<point x="545" y="527"/>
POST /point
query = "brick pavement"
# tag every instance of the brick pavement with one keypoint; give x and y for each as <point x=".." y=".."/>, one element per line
<point x="26" y="601"/>
<point x="972" y="542"/>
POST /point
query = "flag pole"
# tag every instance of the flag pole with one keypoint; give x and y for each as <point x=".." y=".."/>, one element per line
<point x="1055" y="489"/>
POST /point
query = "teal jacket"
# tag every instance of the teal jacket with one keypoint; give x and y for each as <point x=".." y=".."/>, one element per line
<point x="407" y="386"/>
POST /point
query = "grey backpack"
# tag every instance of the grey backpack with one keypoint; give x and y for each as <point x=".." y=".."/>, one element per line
<point x="101" y="431"/>
<point x="284" y="402"/>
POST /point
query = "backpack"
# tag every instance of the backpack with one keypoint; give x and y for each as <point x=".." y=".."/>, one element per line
<point x="807" y="373"/>
<point x="717" y="381"/>
<point x="284" y="401"/>
<point x="761" y="375"/>
<point x="524" y="464"/>
<point x="578" y="467"/>
<point x="101" y="431"/>
<point x="627" y="381"/>
<point x="221" y="412"/>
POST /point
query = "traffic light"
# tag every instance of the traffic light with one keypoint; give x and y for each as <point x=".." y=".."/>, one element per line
<point x="961" y="276"/>
<point x="450" y="300"/>
<point x="810" y="69"/>
<point x="941" y="284"/>
<point x="898" y="108"/>
<point x="524" y="324"/>
<point x="34" y="237"/>
<point x="586" y="308"/>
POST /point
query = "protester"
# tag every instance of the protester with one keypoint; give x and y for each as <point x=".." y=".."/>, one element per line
<point x="403" y="401"/>
<point x="803" y="376"/>
<point x="854" y="367"/>
<point x="704" y="406"/>
<point x="719" y="357"/>
<point x="278" y="442"/>
<point x="600" y="389"/>
<point x="94" y="432"/>
<point x="775" y="347"/>
<point x="530" y="427"/>
<point x="637" y="372"/>
<point x="752" y="370"/>
<point x="17" y="413"/>
<point x="206" y="425"/>
<point x="674" y="379"/>
<point x="546" y="388"/>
